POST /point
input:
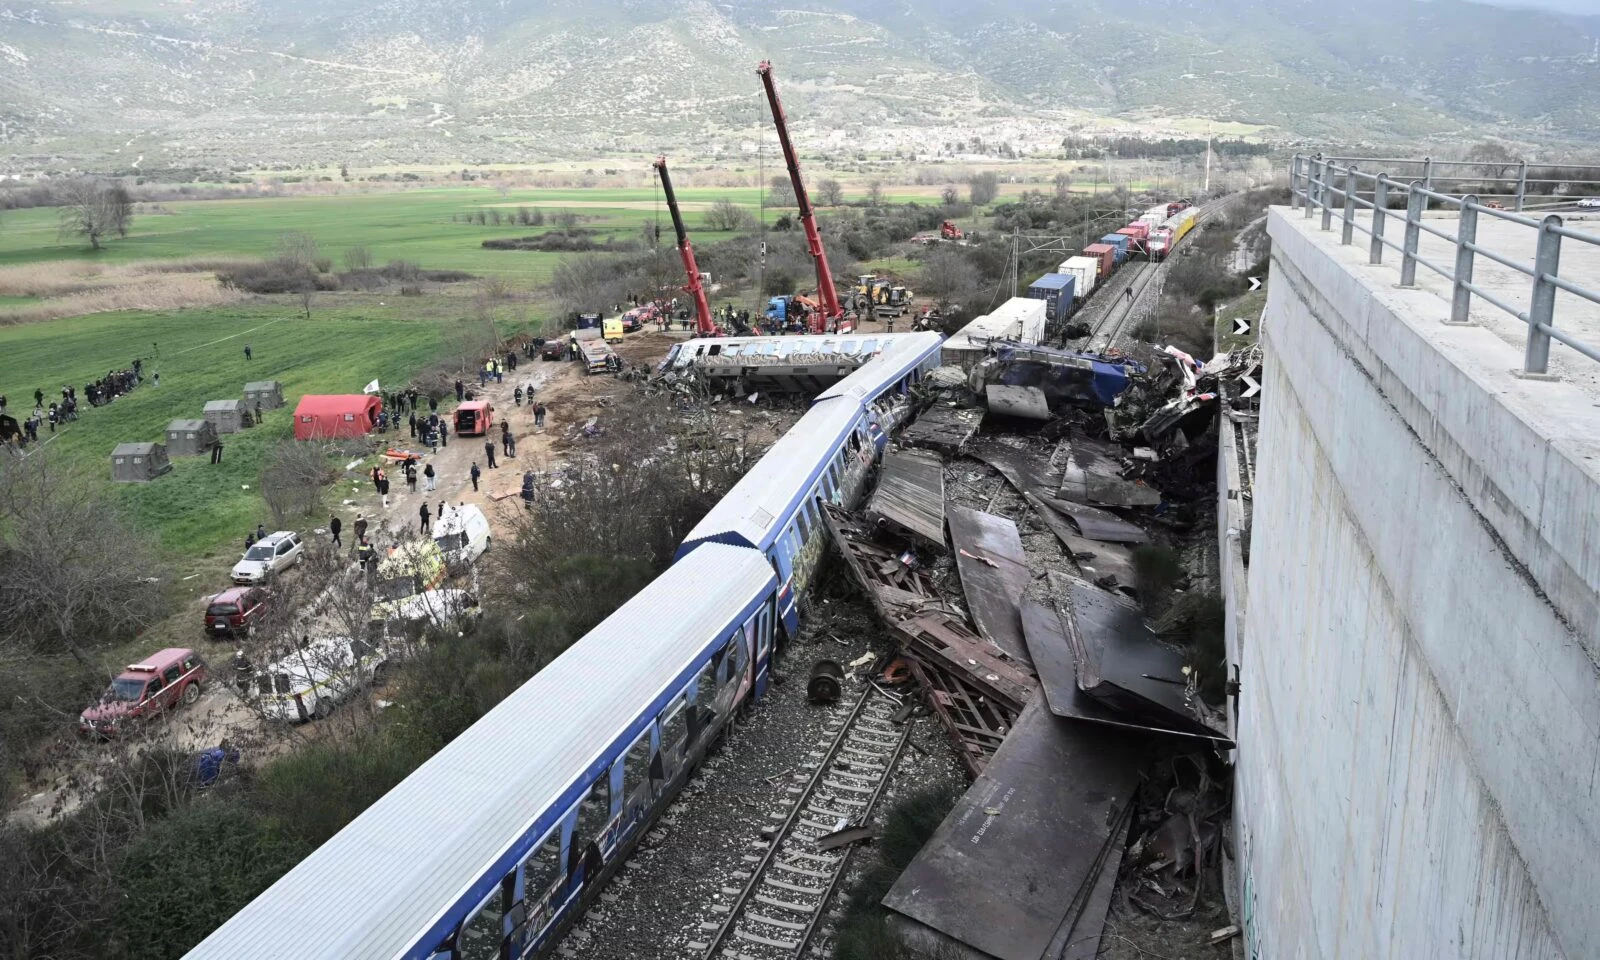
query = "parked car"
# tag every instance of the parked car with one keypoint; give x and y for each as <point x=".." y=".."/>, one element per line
<point x="311" y="680"/>
<point x="235" y="610"/>
<point x="554" y="349"/>
<point x="165" y="679"/>
<point x="267" y="558"/>
<point x="1590" y="203"/>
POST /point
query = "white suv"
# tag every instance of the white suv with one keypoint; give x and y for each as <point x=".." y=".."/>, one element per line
<point x="268" y="557"/>
<point x="1589" y="202"/>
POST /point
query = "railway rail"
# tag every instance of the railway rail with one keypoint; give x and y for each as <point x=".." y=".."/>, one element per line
<point x="1113" y="327"/>
<point x="789" y="878"/>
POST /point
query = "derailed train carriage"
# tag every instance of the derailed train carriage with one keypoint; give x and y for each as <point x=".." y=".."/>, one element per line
<point x="491" y="847"/>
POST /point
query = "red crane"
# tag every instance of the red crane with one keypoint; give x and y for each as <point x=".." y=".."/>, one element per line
<point x="702" y="310"/>
<point x="826" y="293"/>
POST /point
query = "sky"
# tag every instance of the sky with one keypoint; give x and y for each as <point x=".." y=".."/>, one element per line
<point x="1565" y="6"/>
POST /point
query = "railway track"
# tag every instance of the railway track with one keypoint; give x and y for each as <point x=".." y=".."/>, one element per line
<point x="1114" y="325"/>
<point x="788" y="877"/>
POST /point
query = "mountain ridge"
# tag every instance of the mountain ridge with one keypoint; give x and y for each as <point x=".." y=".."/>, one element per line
<point x="215" y="81"/>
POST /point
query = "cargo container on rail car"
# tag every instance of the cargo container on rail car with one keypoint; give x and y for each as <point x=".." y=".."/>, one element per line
<point x="1105" y="256"/>
<point x="1085" y="272"/>
<point x="1055" y="289"/>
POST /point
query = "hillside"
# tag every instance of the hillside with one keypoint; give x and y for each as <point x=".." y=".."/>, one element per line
<point x="260" y="81"/>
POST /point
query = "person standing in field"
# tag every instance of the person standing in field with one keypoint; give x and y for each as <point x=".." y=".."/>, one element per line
<point x="334" y="526"/>
<point x="424" y="514"/>
<point x="476" y="473"/>
<point x="247" y="354"/>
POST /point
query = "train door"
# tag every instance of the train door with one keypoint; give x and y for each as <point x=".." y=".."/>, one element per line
<point x="759" y="628"/>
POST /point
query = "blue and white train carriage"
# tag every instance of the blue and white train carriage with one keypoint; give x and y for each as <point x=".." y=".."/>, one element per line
<point x="826" y="456"/>
<point x="492" y="845"/>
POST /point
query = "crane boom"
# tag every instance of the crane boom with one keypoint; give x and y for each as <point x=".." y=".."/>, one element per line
<point x="704" y="327"/>
<point x="825" y="289"/>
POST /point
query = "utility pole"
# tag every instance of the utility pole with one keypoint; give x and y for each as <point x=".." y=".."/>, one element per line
<point x="1207" y="188"/>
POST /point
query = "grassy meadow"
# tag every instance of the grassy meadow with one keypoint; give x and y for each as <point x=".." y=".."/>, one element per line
<point x="410" y="225"/>
<point x="197" y="507"/>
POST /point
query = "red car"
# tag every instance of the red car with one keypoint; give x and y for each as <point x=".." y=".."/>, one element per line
<point x="235" y="611"/>
<point x="165" y="679"/>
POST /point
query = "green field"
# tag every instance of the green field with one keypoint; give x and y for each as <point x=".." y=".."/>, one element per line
<point x="198" y="507"/>
<point x="403" y="225"/>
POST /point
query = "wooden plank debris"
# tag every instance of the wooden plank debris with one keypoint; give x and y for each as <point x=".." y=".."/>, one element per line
<point x="944" y="641"/>
<point x="897" y="590"/>
<point x="977" y="724"/>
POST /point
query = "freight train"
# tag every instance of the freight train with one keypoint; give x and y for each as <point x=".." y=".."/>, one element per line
<point x="1153" y="235"/>
<point x="490" y="848"/>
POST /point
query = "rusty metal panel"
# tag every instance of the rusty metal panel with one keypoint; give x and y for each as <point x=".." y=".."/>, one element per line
<point x="910" y="495"/>
<point x="1020" y="854"/>
<point x="977" y="724"/>
<point x="1027" y="403"/>
<point x="943" y="640"/>
<point x="994" y="575"/>
<point x="943" y="428"/>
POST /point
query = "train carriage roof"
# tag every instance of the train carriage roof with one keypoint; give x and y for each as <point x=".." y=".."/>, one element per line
<point x="387" y="877"/>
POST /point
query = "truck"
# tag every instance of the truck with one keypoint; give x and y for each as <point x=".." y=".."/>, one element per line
<point x="592" y="349"/>
<point x="613" y="330"/>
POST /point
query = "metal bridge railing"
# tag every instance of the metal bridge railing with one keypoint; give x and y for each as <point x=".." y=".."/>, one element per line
<point x="1327" y="184"/>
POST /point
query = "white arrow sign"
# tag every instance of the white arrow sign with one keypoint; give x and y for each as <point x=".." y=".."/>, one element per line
<point x="1251" y="387"/>
<point x="1241" y="326"/>
<point x="1255" y="284"/>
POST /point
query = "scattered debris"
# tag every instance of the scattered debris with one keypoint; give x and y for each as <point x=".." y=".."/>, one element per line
<point x="826" y="683"/>
<point x="944" y="427"/>
<point x="894" y="583"/>
<point x="1010" y="883"/>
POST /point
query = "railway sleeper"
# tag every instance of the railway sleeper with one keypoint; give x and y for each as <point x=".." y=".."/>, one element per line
<point x="774" y="921"/>
<point x="757" y="938"/>
<point x="784" y="904"/>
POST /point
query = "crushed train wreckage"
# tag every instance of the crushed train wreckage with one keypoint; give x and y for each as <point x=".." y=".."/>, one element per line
<point x="1063" y="702"/>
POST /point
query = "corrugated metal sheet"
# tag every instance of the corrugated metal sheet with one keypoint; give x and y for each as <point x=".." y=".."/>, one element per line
<point x="370" y="891"/>
<point x="749" y="512"/>
<point x="910" y="494"/>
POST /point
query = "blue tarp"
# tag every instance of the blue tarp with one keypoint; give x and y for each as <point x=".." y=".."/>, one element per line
<point x="1064" y="376"/>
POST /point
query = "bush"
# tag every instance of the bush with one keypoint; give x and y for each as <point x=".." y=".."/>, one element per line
<point x="410" y="290"/>
<point x="269" y="276"/>
<point x="186" y="874"/>
<point x="316" y="790"/>
<point x="864" y="933"/>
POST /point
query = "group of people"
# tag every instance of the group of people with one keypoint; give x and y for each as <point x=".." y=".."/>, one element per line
<point x="65" y="410"/>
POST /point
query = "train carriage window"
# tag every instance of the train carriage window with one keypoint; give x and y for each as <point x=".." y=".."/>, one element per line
<point x="542" y="869"/>
<point x="593" y="815"/>
<point x="674" y="735"/>
<point x="636" y="775"/>
<point x="703" y="717"/>
<point x="705" y="691"/>
<point x="803" y="521"/>
<point x="738" y="658"/>
<point x="482" y="934"/>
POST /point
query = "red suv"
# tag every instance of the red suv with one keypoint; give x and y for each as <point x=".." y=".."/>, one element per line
<point x="163" y="680"/>
<point x="235" y="611"/>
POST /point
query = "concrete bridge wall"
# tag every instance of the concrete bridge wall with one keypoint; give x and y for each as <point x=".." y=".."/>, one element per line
<point x="1419" y="719"/>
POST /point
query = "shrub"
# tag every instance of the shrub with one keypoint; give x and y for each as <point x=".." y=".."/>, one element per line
<point x="316" y="790"/>
<point x="186" y="874"/>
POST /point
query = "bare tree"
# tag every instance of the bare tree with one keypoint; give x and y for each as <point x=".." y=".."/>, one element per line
<point x="729" y="216"/>
<point x="983" y="187"/>
<point x="566" y="221"/>
<point x="950" y="195"/>
<point x="1063" y="182"/>
<point x="830" y="193"/>
<point x="357" y="258"/>
<point x="874" y="193"/>
<point x="780" y="193"/>
<point x="298" y="248"/>
<point x="95" y="209"/>
<point x="75" y="572"/>
<point x="950" y="278"/>
<point x="1497" y="159"/>
<point x="293" y="477"/>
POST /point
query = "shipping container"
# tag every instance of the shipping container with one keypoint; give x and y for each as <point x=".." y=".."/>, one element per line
<point x="1119" y="242"/>
<point x="1180" y="224"/>
<point x="1104" y="256"/>
<point x="1085" y="271"/>
<point x="1018" y="320"/>
<point x="1136" y="230"/>
<point x="1056" y="290"/>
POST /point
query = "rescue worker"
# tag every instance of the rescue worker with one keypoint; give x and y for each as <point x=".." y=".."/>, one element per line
<point x="476" y="473"/>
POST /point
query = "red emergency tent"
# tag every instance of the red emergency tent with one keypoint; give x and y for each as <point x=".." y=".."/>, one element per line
<point x="322" y="417"/>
